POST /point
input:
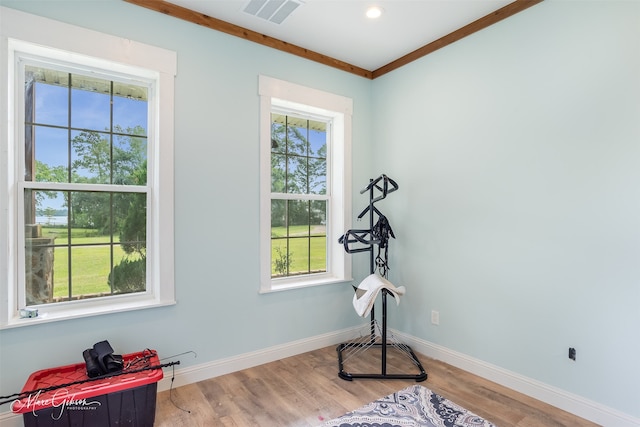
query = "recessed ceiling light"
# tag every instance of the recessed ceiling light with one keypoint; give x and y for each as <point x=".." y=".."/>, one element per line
<point x="374" y="12"/>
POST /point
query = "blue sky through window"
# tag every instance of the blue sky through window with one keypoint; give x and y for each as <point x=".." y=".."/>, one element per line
<point x="90" y="110"/>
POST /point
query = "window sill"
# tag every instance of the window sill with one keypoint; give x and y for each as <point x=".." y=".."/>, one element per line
<point x="289" y="284"/>
<point x="50" y="314"/>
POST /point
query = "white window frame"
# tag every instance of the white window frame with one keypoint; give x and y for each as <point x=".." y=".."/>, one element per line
<point x="26" y="35"/>
<point x="281" y="96"/>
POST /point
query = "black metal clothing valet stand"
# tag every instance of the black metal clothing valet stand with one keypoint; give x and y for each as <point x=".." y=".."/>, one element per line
<point x="356" y="241"/>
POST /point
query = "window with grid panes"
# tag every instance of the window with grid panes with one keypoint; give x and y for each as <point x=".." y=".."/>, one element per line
<point x="299" y="195"/>
<point x="85" y="184"/>
<point x="89" y="154"/>
<point x="305" y="144"/>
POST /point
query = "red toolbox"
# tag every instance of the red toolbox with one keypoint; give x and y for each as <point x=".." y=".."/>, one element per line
<point x="127" y="399"/>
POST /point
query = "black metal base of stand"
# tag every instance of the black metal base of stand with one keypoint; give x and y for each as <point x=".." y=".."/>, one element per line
<point x="383" y="344"/>
<point x="383" y="371"/>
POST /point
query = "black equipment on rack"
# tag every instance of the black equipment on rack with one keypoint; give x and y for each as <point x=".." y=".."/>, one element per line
<point x="365" y="240"/>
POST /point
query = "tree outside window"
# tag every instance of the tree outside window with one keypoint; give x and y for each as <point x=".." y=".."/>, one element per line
<point x="298" y="169"/>
<point x="85" y="193"/>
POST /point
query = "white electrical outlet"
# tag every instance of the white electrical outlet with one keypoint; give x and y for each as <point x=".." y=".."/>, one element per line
<point x="435" y="317"/>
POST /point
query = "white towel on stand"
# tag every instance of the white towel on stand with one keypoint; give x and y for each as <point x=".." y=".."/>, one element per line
<point x="368" y="290"/>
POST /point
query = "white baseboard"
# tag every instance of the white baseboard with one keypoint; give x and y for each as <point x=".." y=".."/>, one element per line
<point x="564" y="400"/>
<point x="9" y="419"/>
<point x="193" y="374"/>
<point x="577" y="405"/>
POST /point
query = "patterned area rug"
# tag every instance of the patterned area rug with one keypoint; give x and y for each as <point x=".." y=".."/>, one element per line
<point x="414" y="406"/>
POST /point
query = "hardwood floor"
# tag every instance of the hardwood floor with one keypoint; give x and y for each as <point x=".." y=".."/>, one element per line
<point x="305" y="390"/>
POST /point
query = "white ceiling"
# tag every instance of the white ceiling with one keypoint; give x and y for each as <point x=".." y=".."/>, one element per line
<point x="339" y="28"/>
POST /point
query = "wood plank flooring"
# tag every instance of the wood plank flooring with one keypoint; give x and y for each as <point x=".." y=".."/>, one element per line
<point x="305" y="390"/>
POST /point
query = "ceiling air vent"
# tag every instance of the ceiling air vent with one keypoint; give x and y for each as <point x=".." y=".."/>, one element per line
<point x="275" y="11"/>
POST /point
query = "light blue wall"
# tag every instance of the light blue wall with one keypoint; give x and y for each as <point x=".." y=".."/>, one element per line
<point x="518" y="155"/>
<point x="219" y="312"/>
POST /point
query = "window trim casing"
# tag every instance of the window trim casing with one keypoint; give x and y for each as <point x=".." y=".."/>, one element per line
<point x="36" y="35"/>
<point x="293" y="97"/>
